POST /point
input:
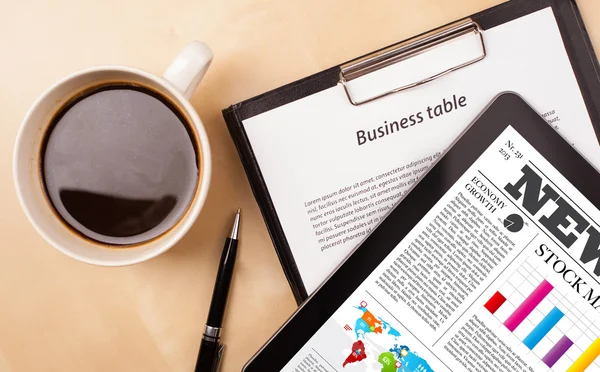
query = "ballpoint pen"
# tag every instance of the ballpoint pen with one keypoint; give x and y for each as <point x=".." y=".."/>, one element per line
<point x="211" y="350"/>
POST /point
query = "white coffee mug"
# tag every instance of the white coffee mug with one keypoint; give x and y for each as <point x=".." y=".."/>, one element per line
<point x="177" y="85"/>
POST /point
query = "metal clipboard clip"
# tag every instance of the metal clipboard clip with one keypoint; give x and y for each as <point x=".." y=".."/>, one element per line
<point x="407" y="49"/>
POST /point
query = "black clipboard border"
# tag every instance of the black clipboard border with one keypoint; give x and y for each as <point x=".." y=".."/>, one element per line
<point x="575" y="39"/>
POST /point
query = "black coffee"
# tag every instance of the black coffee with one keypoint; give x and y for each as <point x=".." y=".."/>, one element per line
<point x="119" y="164"/>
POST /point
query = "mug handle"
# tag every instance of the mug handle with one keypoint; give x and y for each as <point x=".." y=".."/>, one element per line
<point x="189" y="67"/>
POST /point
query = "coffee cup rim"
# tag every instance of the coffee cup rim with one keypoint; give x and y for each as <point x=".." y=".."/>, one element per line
<point x="164" y="242"/>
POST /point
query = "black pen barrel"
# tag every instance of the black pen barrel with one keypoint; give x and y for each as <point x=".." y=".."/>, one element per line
<point x="221" y="290"/>
<point x="207" y="357"/>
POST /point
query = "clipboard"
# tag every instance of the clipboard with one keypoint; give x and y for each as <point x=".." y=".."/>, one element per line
<point x="574" y="37"/>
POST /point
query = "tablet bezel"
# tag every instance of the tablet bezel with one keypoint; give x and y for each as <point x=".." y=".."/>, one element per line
<point x="506" y="109"/>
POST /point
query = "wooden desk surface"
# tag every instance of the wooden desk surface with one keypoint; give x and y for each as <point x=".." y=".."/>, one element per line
<point x="57" y="314"/>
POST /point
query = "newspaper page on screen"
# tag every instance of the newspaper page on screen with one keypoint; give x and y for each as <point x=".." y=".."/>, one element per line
<point x="500" y="275"/>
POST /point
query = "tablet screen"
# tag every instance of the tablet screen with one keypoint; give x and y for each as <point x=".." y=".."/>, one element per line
<point x="499" y="272"/>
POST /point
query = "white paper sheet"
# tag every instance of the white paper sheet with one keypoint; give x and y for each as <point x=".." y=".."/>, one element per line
<point x="313" y="165"/>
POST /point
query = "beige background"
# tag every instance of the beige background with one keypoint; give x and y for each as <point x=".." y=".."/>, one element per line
<point x="57" y="314"/>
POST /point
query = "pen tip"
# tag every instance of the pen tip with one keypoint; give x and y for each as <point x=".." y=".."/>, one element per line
<point x="236" y="225"/>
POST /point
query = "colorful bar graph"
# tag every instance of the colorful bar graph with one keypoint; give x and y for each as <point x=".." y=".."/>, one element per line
<point x="557" y="351"/>
<point x="542" y="329"/>
<point x="530" y="303"/>
<point x="495" y="302"/>
<point x="587" y="358"/>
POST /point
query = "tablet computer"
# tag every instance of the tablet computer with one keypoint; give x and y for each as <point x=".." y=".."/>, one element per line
<point x="490" y="263"/>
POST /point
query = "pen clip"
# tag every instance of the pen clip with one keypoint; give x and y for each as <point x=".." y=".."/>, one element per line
<point x="219" y="358"/>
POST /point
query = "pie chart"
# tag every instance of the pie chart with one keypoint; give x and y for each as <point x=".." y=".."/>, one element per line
<point x="513" y="223"/>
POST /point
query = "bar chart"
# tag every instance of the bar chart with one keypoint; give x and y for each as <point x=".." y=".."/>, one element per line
<point x="561" y="332"/>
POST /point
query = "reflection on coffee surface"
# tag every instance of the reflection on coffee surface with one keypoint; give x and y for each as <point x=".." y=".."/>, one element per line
<point x="120" y="164"/>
